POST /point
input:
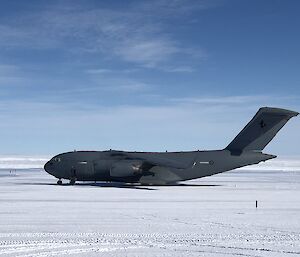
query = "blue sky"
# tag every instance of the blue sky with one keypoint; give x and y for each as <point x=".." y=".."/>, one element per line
<point x="144" y="75"/>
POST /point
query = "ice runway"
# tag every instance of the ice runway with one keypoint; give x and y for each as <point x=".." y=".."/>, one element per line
<point x="214" y="216"/>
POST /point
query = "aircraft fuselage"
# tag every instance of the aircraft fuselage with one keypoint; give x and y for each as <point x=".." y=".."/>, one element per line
<point x="169" y="167"/>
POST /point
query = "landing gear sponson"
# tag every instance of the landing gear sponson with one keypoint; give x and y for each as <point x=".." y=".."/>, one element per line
<point x="72" y="182"/>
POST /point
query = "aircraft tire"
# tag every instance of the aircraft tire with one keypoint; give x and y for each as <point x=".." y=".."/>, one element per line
<point x="72" y="181"/>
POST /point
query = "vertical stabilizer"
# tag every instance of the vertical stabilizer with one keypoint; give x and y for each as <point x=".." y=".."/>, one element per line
<point x="260" y="130"/>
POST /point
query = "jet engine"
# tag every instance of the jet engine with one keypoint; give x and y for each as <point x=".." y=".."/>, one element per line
<point x="126" y="168"/>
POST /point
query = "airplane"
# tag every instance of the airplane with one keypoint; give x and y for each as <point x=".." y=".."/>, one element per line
<point x="166" y="168"/>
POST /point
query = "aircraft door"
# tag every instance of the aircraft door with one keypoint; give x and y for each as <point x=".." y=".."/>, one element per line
<point x="84" y="170"/>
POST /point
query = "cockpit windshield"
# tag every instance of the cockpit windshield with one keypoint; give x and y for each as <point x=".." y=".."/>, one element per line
<point x="56" y="159"/>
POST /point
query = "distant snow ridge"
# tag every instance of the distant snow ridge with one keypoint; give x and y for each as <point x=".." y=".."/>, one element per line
<point x="22" y="162"/>
<point x="284" y="164"/>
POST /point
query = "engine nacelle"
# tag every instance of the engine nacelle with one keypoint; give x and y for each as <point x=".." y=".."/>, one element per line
<point x="126" y="168"/>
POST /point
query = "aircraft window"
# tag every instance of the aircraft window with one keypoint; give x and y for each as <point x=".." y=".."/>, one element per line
<point x="56" y="159"/>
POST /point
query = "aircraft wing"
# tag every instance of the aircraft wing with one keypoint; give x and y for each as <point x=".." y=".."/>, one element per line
<point x="151" y="167"/>
<point x="150" y="160"/>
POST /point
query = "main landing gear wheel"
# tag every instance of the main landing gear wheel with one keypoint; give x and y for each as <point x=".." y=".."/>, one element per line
<point x="59" y="182"/>
<point x="72" y="181"/>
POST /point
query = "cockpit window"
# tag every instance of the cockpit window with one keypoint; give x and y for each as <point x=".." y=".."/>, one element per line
<point x="56" y="159"/>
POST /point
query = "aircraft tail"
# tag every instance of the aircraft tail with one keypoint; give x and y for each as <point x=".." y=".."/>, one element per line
<point x="260" y="130"/>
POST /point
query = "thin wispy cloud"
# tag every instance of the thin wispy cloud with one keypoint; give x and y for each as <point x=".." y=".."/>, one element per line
<point x="148" y="53"/>
<point x="179" y="69"/>
<point x="133" y="35"/>
<point x="167" y="8"/>
<point x="179" y="74"/>
<point x="235" y="100"/>
<point x="99" y="71"/>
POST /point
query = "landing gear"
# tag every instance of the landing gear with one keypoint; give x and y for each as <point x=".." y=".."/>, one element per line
<point x="73" y="176"/>
<point x="59" y="182"/>
<point x="72" y="181"/>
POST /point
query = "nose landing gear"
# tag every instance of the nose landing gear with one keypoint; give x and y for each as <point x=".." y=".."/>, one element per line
<point x="72" y="178"/>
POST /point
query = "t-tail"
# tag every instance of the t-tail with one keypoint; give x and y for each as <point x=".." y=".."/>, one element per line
<point x="260" y="130"/>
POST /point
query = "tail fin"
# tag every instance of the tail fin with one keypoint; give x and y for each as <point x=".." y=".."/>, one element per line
<point x="260" y="130"/>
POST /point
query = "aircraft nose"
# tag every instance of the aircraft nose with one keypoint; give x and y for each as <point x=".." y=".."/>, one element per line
<point x="48" y="167"/>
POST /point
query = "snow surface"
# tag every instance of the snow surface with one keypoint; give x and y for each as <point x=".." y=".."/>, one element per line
<point x="214" y="216"/>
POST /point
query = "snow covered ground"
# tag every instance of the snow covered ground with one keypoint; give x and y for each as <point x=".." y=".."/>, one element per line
<point x="214" y="216"/>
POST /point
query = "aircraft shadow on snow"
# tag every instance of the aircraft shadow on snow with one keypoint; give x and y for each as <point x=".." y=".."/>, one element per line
<point x="121" y="185"/>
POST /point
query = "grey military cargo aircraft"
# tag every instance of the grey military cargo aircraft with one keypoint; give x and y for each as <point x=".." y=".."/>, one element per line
<point x="162" y="168"/>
